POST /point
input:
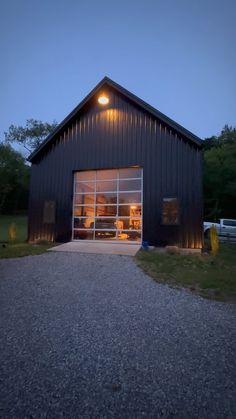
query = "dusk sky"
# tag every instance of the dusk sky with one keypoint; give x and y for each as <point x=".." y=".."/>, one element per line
<point x="177" y="55"/>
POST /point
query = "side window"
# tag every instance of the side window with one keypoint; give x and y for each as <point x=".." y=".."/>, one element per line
<point x="49" y="212"/>
<point x="170" y="211"/>
<point x="229" y="223"/>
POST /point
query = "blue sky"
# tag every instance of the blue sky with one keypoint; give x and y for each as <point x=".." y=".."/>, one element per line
<point x="178" y="55"/>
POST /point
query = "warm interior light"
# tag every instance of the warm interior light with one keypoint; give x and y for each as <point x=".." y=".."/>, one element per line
<point x="133" y="207"/>
<point x="103" y="100"/>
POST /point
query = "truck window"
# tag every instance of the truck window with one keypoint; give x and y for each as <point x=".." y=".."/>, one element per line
<point x="230" y="223"/>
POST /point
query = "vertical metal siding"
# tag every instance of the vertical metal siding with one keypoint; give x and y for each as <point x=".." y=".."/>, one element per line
<point x="121" y="135"/>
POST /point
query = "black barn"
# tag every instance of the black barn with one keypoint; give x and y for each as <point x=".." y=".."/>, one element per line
<point x="116" y="169"/>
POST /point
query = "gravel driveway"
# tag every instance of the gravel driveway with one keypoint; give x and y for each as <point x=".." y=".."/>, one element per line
<point x="90" y="336"/>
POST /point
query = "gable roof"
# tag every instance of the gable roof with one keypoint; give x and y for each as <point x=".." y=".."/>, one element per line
<point x="144" y="105"/>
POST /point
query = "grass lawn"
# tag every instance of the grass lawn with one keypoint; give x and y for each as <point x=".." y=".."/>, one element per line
<point x="18" y="247"/>
<point x="211" y="277"/>
<point x="23" y="249"/>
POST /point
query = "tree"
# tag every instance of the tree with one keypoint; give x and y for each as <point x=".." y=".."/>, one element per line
<point x="14" y="180"/>
<point x="227" y="135"/>
<point x="31" y="135"/>
<point x="220" y="176"/>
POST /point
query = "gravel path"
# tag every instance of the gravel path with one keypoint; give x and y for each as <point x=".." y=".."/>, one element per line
<point x="90" y="336"/>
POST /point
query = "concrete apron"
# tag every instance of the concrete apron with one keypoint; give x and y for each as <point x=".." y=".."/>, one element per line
<point x="101" y="248"/>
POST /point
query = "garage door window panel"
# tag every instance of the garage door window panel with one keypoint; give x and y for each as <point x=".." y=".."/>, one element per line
<point x="106" y="186"/>
<point x="129" y="197"/>
<point x="106" y="210"/>
<point x="87" y="175"/>
<point x="85" y="187"/>
<point x="83" y="235"/>
<point x="84" y="211"/>
<point x="129" y="235"/>
<point x="132" y="172"/>
<point x="106" y="198"/>
<point x="80" y="222"/>
<point x="105" y="223"/>
<point x="130" y="185"/>
<point x="105" y="235"/>
<point x="106" y="174"/>
<point x="129" y="223"/>
<point x="84" y="199"/>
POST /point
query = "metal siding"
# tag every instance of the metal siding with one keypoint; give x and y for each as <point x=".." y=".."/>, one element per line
<point x="121" y="135"/>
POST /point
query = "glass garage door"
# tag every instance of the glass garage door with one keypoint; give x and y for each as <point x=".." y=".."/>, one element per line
<point x="107" y="205"/>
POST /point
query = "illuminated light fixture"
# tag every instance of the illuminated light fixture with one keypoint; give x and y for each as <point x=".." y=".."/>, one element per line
<point x="133" y="207"/>
<point x="103" y="100"/>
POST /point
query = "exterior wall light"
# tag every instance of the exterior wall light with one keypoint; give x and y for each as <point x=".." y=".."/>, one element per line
<point x="103" y="100"/>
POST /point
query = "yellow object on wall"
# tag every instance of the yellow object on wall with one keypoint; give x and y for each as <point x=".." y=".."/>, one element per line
<point x="12" y="231"/>
<point x="214" y="240"/>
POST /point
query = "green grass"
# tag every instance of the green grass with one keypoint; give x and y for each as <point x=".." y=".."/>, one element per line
<point x="21" y="227"/>
<point x="19" y="247"/>
<point x="211" y="277"/>
<point x="23" y="249"/>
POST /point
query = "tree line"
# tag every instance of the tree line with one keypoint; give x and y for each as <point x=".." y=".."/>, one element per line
<point x="14" y="168"/>
<point x="219" y="175"/>
<point x="219" y="169"/>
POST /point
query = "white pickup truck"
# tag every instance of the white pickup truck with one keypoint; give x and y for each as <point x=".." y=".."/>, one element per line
<point x="226" y="229"/>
